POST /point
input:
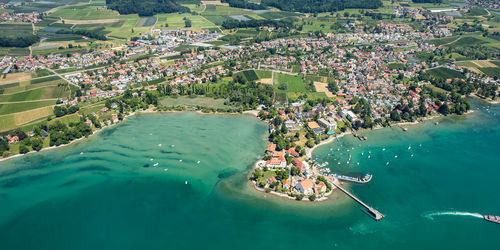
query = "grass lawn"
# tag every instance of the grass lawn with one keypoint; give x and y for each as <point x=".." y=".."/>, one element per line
<point x="295" y="83"/>
<point x="67" y="119"/>
<point x="263" y="73"/>
<point x="198" y="101"/>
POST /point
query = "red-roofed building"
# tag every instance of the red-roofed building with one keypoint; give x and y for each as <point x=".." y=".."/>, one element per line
<point x="292" y="152"/>
<point x="271" y="147"/>
<point x="305" y="186"/>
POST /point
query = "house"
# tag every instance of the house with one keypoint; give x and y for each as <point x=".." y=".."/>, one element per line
<point x="292" y="152"/>
<point x="305" y="186"/>
<point x="298" y="164"/>
<point x="330" y="125"/>
<point x="271" y="179"/>
<point x="321" y="187"/>
<point x="351" y="116"/>
<point x="286" y="183"/>
<point x="277" y="160"/>
<point x="270" y="148"/>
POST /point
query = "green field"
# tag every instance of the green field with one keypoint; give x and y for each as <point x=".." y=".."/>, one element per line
<point x="18" y="107"/>
<point x="84" y="12"/>
<point x="10" y="29"/>
<point x="295" y="83"/>
<point x="442" y="41"/>
<point x="491" y="71"/>
<point x="445" y="73"/>
<point x="199" y="101"/>
<point x="264" y="73"/>
<point x="396" y="66"/>
<point x="175" y="21"/>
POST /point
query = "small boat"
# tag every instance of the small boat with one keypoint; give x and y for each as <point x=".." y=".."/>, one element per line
<point x="186" y="182"/>
<point x="436" y="123"/>
<point x="492" y="218"/>
<point x="180" y="160"/>
<point x="387" y="163"/>
<point x="156" y="164"/>
<point x="172" y="145"/>
<point x="81" y="153"/>
<point x="368" y="157"/>
<point x="151" y="159"/>
<point x="166" y="169"/>
<point x="362" y="153"/>
<point x="383" y="149"/>
<point x="198" y="162"/>
<point x="405" y="129"/>
<point x="159" y="145"/>
<point x="411" y="155"/>
<point x="396" y="156"/>
<point x="409" y="147"/>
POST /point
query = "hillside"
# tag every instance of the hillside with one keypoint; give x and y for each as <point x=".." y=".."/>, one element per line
<point x="145" y="7"/>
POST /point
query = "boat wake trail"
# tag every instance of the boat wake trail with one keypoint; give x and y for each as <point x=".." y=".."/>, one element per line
<point x="431" y="216"/>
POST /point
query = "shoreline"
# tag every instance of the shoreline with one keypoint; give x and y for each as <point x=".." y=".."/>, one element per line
<point x="310" y="151"/>
<point x="141" y="112"/>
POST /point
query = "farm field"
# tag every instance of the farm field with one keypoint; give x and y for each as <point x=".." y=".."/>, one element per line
<point x="10" y="29"/>
<point x="11" y="121"/>
<point x="175" y="21"/>
<point x="19" y="107"/>
<point x="445" y="73"/>
<point x="15" y="77"/>
<point x="322" y="87"/>
<point x="84" y="12"/>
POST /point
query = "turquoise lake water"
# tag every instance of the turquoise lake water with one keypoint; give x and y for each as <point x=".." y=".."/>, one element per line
<point x="105" y="193"/>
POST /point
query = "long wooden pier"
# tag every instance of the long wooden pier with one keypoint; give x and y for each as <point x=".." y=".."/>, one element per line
<point x="372" y="212"/>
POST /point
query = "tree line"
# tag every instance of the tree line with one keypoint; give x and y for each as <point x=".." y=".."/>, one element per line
<point x="244" y="4"/>
<point x="232" y="23"/>
<point x="145" y="7"/>
<point x="23" y="41"/>
<point x="312" y="6"/>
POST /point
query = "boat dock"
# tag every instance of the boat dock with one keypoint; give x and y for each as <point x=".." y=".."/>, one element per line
<point x="359" y="136"/>
<point x="372" y="212"/>
<point x="365" y="179"/>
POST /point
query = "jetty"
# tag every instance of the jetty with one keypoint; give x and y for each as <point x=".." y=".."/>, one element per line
<point x="367" y="178"/>
<point x="359" y="136"/>
<point x="372" y="212"/>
